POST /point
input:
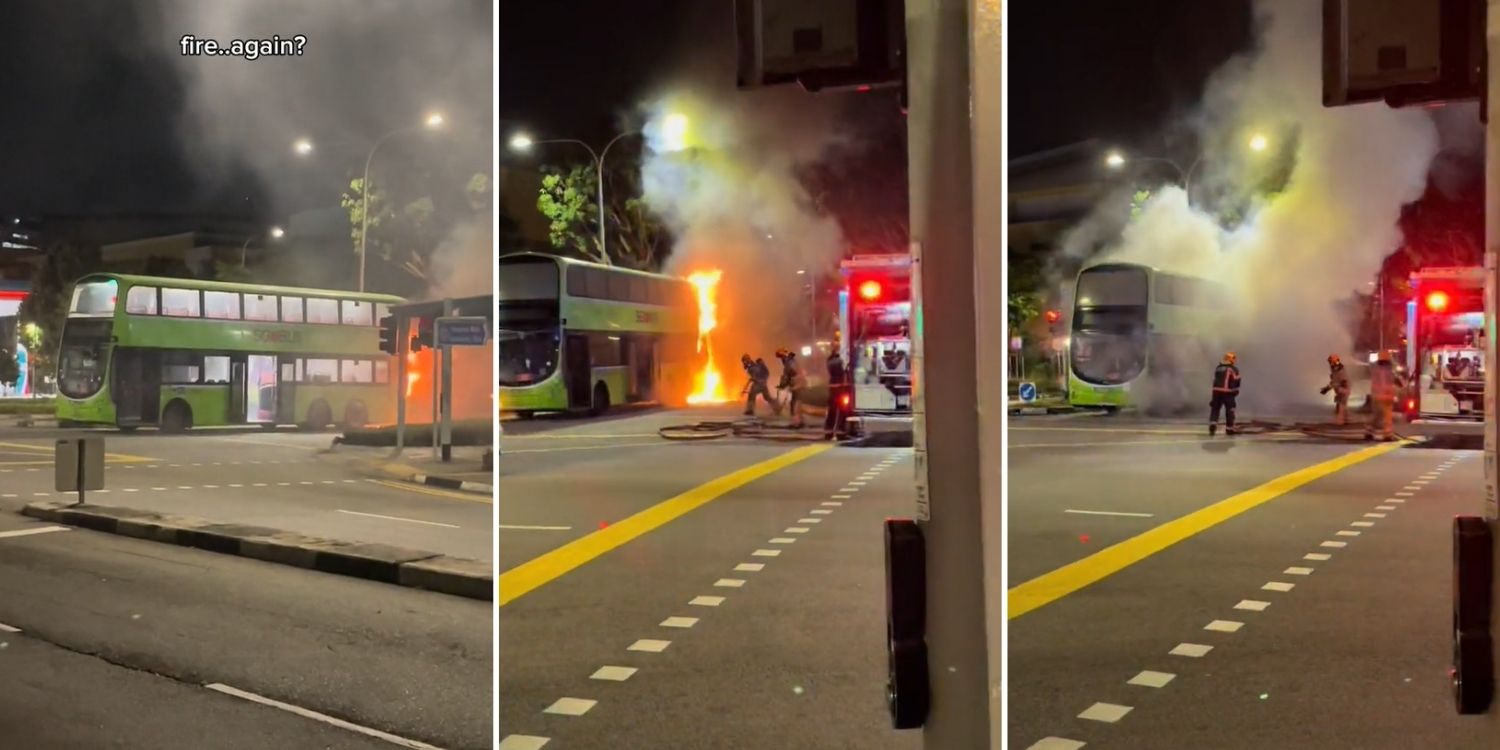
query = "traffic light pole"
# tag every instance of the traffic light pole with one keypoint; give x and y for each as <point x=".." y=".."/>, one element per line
<point x="954" y="127"/>
<point x="1491" y="305"/>
<point x="403" y="346"/>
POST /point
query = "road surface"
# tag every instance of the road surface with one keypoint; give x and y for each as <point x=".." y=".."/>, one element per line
<point x="108" y="641"/>
<point x="748" y="619"/>
<point x="1310" y="610"/>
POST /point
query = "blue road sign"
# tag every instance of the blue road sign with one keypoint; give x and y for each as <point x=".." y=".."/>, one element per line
<point x="462" y="331"/>
<point x="1028" y="392"/>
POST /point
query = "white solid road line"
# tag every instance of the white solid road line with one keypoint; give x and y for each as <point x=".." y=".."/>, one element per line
<point x="8" y="629"/>
<point x="397" y="518"/>
<point x="521" y="527"/>
<point x="29" y="532"/>
<point x="1108" y="513"/>
<point x="315" y="716"/>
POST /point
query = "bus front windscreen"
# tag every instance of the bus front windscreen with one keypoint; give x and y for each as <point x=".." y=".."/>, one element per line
<point x="1109" y="340"/>
<point x="83" y="357"/>
<point x="527" y="357"/>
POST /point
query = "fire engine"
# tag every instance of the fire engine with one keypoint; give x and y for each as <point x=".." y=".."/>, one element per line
<point x="1445" y="345"/>
<point x="875" y="319"/>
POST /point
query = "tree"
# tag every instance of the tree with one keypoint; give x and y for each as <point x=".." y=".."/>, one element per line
<point x="47" y="304"/>
<point x="566" y="199"/>
<point x="404" y="233"/>
<point x="637" y="238"/>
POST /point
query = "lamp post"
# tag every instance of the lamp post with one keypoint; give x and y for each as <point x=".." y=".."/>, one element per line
<point x="1257" y="143"/>
<point x="674" y="129"/>
<point x="276" y="233"/>
<point x="433" y="121"/>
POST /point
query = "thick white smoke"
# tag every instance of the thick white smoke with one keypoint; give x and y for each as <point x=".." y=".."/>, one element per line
<point x="367" y="68"/>
<point x="1300" y="254"/>
<point x="727" y="186"/>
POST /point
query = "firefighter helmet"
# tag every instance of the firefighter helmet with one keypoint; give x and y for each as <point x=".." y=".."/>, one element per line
<point x="783" y="353"/>
<point x="1333" y="359"/>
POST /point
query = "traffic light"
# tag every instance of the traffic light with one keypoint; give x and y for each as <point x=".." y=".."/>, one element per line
<point x="388" y="327"/>
<point x="422" y="337"/>
<point x="1053" y="316"/>
<point x="1437" y="301"/>
<point x="870" y="290"/>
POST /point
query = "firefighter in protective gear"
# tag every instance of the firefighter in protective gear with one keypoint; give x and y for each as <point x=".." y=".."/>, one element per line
<point x="1384" y="382"/>
<point x="795" y="380"/>
<point x="1338" y="382"/>
<point x="757" y="385"/>
<point x="1226" y="390"/>
<point x="838" y="391"/>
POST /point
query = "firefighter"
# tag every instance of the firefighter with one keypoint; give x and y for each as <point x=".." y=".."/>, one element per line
<point x="757" y="385"/>
<point x="1226" y="390"/>
<point x="1338" y="382"/>
<point x="1384" y="383"/>
<point x="838" y="390"/>
<point x="795" y="380"/>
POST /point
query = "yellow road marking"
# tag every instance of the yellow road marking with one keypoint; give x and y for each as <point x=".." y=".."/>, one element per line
<point x="1111" y="442"/>
<point x="1130" y="430"/>
<point x="435" y="491"/>
<point x="532" y="574"/>
<point x="1049" y="587"/>
<point x="591" y="447"/>
<point x="118" y="458"/>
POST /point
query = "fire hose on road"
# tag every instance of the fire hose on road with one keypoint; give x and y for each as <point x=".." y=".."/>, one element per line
<point x="1353" y="431"/>
<point x="750" y="427"/>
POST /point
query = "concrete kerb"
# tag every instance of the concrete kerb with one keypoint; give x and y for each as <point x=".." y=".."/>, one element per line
<point x="405" y="473"/>
<point x="473" y="579"/>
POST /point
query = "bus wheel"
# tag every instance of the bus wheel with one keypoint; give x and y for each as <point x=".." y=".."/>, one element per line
<point x="319" y="416"/>
<point x="526" y="415"/>
<point x="601" y="401"/>
<point x="178" y="417"/>
<point x="356" y="415"/>
<point x="127" y="427"/>
<point x="1111" y="410"/>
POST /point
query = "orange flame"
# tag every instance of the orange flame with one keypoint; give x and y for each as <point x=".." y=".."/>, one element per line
<point x="709" y="384"/>
<point x="413" y="373"/>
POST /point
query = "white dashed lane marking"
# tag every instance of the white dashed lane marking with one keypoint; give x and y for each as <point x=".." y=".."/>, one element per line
<point x="523" y="742"/>
<point x="1252" y="605"/>
<point x="750" y="567"/>
<point x="570" y="707"/>
<point x="1278" y="586"/>
<point x="1317" y="556"/>
<point x="1224" y="626"/>
<point x="613" y="674"/>
<point x="31" y="532"/>
<point x="649" y="645"/>
<point x="1050" y="743"/>
<point x="1105" y="712"/>
<point x="1151" y="679"/>
<point x="1193" y="650"/>
<point x="8" y="628"/>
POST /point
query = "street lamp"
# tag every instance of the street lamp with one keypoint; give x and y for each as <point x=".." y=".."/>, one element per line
<point x="1115" y="160"/>
<point x="275" y="233"/>
<point x="302" y="147"/>
<point x="1258" y="142"/>
<point x="433" y="121"/>
<point x="674" y="130"/>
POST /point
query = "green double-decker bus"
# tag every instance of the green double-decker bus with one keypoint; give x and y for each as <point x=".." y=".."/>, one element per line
<point x="1144" y="338"/>
<point x="578" y="336"/>
<point x="180" y="353"/>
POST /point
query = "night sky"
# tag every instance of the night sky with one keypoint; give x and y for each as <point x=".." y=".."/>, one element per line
<point x="1117" y="71"/>
<point x="104" y="114"/>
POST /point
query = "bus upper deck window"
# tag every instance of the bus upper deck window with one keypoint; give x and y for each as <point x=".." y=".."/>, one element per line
<point x="95" y="298"/>
<point x="141" y="300"/>
<point x="260" y="307"/>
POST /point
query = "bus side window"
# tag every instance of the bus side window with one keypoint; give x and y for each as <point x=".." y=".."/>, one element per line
<point x="619" y="287"/>
<point x="221" y="305"/>
<point x="180" y="303"/>
<point x="322" y="370"/>
<point x="216" y="369"/>
<point x="141" y="300"/>
<point x="291" y="309"/>
<point x="180" y="368"/>
<point x="577" y="282"/>
<point x="355" y="313"/>
<point x="320" y="310"/>
<point x="260" y="307"/>
<point x="355" y="371"/>
<point x="597" y="283"/>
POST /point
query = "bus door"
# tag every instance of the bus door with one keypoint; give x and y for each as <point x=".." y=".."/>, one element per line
<point x="260" y="389"/>
<point x="137" y="386"/>
<point x="640" y="361"/>
<point x="237" y="383"/>
<point x="286" y="392"/>
<point x="578" y="367"/>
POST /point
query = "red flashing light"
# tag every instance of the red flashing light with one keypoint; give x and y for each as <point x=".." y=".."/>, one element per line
<point x="1437" y="301"/>
<point x="870" y="290"/>
<point x="1411" y="404"/>
<point x="1053" y="316"/>
<point x="844" y="400"/>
